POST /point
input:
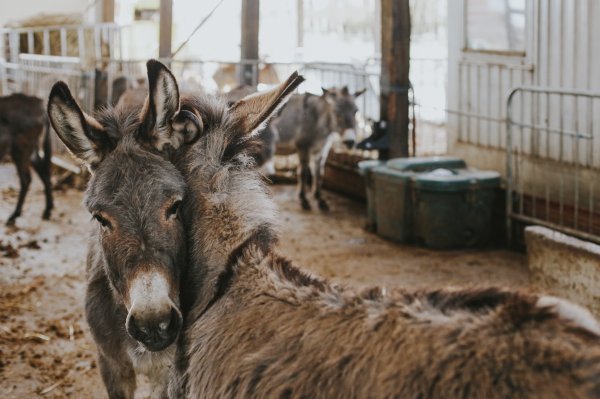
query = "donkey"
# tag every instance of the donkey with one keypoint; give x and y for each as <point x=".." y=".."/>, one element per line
<point x="23" y="123"/>
<point x="260" y="327"/>
<point x="307" y="124"/>
<point x="304" y="126"/>
<point x="137" y="250"/>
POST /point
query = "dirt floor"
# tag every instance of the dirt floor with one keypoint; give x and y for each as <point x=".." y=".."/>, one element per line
<point x="45" y="346"/>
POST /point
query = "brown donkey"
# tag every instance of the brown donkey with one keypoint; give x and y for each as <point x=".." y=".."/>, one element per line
<point x="137" y="250"/>
<point x="23" y="125"/>
<point x="261" y="328"/>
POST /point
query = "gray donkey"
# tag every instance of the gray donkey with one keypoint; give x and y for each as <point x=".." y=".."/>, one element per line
<point x="259" y="327"/>
<point x="23" y="127"/>
<point x="305" y="126"/>
<point x="137" y="250"/>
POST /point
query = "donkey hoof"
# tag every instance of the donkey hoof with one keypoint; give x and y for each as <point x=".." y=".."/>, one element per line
<point x="323" y="205"/>
<point x="305" y="204"/>
<point x="46" y="215"/>
<point x="11" y="221"/>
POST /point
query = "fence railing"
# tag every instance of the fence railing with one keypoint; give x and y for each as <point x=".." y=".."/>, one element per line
<point x="34" y="74"/>
<point x="552" y="166"/>
<point x="87" y="42"/>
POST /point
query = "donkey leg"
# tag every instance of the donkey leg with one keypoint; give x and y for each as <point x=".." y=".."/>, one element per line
<point x="43" y="171"/>
<point x="305" y="177"/>
<point x="319" y="171"/>
<point x="21" y="159"/>
<point x="319" y="168"/>
<point x="118" y="377"/>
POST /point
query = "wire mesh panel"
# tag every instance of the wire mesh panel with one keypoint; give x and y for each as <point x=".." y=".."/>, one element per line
<point x="552" y="165"/>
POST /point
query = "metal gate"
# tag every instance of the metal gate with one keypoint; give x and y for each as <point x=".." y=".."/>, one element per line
<point x="35" y="74"/>
<point x="552" y="161"/>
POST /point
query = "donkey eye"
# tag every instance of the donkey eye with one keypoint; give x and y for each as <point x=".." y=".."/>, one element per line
<point x="172" y="211"/>
<point x="103" y="222"/>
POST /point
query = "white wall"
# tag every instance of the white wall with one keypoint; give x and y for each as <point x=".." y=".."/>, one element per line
<point x="555" y="176"/>
<point x="562" y="52"/>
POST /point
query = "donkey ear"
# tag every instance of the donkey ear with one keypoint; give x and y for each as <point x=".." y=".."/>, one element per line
<point x="82" y="134"/>
<point x="253" y="112"/>
<point x="359" y="93"/>
<point x="162" y="121"/>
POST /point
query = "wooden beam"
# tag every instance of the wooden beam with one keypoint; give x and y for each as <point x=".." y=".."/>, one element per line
<point x="394" y="81"/>
<point x="300" y="23"/>
<point x="165" y="29"/>
<point x="108" y="10"/>
<point x="249" y="41"/>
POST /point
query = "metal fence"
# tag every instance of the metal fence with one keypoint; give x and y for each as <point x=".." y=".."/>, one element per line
<point x="87" y="42"/>
<point x="428" y="77"/>
<point x="35" y="74"/>
<point x="552" y="162"/>
<point x="480" y="110"/>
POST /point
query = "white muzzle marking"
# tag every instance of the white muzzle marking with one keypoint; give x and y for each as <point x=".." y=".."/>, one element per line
<point x="349" y="135"/>
<point x="149" y="295"/>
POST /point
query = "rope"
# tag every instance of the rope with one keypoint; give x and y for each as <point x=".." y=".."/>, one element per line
<point x="206" y="18"/>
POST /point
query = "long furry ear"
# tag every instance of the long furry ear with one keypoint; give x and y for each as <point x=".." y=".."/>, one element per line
<point x="82" y="134"/>
<point x="359" y="93"/>
<point x="253" y="112"/>
<point x="163" y="122"/>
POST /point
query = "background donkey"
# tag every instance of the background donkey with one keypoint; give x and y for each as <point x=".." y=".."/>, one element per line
<point x="137" y="250"/>
<point x="260" y="327"/>
<point x="23" y="121"/>
<point x="304" y="126"/>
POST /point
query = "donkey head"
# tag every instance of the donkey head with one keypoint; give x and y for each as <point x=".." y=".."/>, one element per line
<point x="134" y="195"/>
<point x="345" y="113"/>
<point x="219" y="168"/>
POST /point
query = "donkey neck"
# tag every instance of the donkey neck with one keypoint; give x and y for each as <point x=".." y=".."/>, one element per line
<point x="225" y="206"/>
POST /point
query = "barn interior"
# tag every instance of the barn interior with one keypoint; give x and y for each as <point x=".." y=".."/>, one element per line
<point x="470" y="161"/>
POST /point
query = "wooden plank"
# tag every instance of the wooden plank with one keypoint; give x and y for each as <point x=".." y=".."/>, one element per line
<point x="249" y="42"/>
<point x="165" y="29"/>
<point x="394" y="81"/>
<point x="300" y="23"/>
<point x="108" y="10"/>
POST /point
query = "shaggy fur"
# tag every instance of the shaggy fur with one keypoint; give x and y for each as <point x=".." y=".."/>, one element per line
<point x="259" y="327"/>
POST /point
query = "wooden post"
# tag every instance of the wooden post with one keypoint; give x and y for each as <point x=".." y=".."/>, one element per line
<point x="249" y="42"/>
<point x="166" y="28"/>
<point x="300" y="23"/>
<point x="394" y="82"/>
<point x="108" y="10"/>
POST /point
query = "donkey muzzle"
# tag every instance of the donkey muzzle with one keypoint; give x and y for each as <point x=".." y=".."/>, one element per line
<point x="349" y="138"/>
<point x="157" y="331"/>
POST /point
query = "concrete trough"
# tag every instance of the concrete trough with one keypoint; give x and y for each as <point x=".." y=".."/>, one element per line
<point x="564" y="266"/>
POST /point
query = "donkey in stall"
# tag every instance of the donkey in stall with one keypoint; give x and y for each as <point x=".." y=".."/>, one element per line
<point x="137" y="250"/>
<point x="23" y="122"/>
<point x="305" y="126"/>
<point x="259" y="327"/>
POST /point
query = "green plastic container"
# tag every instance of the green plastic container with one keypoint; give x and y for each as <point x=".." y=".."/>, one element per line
<point x="453" y="208"/>
<point x="393" y="205"/>
<point x="364" y="169"/>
